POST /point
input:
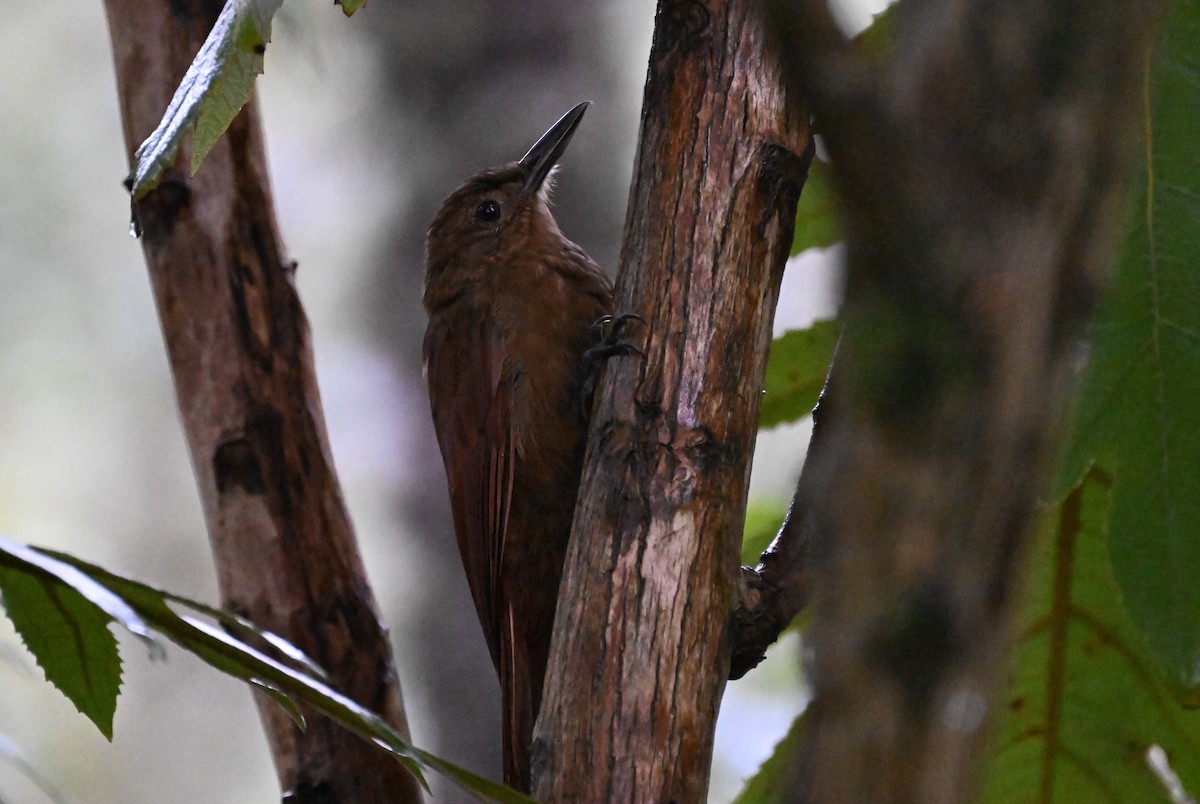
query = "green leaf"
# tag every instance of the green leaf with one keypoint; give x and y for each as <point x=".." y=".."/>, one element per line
<point x="28" y="559"/>
<point x="214" y="89"/>
<point x="280" y="697"/>
<point x="287" y="676"/>
<point x="763" y="520"/>
<point x="69" y="637"/>
<point x="1139" y="405"/>
<point x="775" y="780"/>
<point x="1085" y="701"/>
<point x="875" y="41"/>
<point x="817" y="222"/>
<point x="62" y="616"/>
<point x="796" y="371"/>
<point x="350" y="6"/>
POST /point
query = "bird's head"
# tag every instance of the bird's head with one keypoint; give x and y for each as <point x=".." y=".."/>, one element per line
<point x="496" y="214"/>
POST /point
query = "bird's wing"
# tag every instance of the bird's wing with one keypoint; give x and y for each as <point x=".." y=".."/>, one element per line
<point x="472" y="416"/>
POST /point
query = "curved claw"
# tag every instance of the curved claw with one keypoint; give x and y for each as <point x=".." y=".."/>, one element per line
<point x="607" y="330"/>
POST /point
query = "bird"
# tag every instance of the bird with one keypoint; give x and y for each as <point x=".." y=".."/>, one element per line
<point x="510" y="355"/>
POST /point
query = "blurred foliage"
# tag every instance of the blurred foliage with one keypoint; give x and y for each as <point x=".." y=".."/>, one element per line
<point x="763" y="520"/>
<point x="817" y="223"/>
<point x="796" y="370"/>
<point x="1138" y="408"/>
<point x="1085" y="701"/>
<point x="775" y="780"/>
<point x="1103" y="689"/>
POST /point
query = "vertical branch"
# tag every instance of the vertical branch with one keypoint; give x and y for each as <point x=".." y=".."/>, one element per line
<point x="981" y="166"/>
<point x="241" y="358"/>
<point x="642" y="645"/>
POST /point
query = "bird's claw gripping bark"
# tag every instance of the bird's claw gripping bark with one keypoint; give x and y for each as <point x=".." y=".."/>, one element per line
<point x="608" y="330"/>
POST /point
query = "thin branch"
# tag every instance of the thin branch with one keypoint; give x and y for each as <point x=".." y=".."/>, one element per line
<point x="775" y="592"/>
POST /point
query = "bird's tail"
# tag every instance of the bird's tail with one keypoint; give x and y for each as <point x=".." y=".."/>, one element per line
<point x="520" y="692"/>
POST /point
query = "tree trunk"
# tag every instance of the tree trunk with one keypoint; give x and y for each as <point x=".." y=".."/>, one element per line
<point x="981" y="165"/>
<point x="241" y="358"/>
<point x="641" y="648"/>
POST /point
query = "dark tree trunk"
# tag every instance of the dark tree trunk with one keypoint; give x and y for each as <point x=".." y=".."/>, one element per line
<point x="980" y="162"/>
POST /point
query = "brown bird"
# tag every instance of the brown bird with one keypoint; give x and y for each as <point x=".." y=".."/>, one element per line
<point x="512" y="304"/>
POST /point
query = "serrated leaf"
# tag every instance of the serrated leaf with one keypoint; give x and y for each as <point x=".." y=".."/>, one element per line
<point x="234" y="657"/>
<point x="214" y="89"/>
<point x="796" y="370"/>
<point x="69" y="637"/>
<point x="1085" y="701"/>
<point x="776" y="782"/>
<point x="1138" y="406"/>
<point x="25" y="558"/>
<point x="817" y="222"/>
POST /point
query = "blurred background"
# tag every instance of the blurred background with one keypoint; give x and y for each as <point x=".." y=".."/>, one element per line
<point x="370" y="123"/>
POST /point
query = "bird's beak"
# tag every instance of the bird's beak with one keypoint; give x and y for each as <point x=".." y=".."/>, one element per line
<point x="545" y="152"/>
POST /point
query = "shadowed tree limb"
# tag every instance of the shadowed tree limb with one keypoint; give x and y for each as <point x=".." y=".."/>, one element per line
<point x="981" y="164"/>
<point x="778" y="589"/>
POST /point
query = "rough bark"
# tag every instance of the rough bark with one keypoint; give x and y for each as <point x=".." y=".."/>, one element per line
<point x="241" y="358"/>
<point x="980" y="163"/>
<point x="642" y="648"/>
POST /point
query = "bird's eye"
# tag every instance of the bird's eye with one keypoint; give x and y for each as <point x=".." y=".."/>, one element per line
<point x="488" y="211"/>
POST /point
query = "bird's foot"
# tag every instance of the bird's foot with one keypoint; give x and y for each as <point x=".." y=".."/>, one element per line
<point x="608" y="330"/>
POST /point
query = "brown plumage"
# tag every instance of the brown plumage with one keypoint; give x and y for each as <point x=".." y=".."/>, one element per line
<point x="511" y="302"/>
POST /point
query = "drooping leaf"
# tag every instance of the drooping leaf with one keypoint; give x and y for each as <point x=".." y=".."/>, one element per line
<point x="1085" y="702"/>
<point x="70" y="639"/>
<point x="214" y="89"/>
<point x="775" y="782"/>
<point x="285" y="677"/>
<point x="19" y="556"/>
<point x="1139" y="405"/>
<point x="796" y="372"/>
<point x="62" y="616"/>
